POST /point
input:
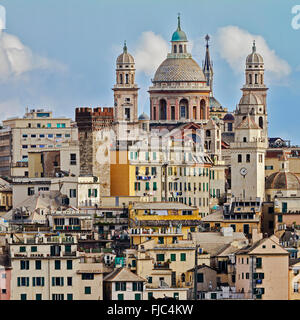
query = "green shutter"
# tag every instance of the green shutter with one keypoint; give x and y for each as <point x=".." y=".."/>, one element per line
<point x="173" y="256"/>
<point x="89" y="194"/>
<point x="96" y="193"/>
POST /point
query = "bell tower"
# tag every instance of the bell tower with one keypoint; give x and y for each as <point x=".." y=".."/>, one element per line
<point x="125" y="89"/>
<point x="253" y="101"/>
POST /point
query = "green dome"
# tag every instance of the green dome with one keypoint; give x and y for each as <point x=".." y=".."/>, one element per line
<point x="179" y="35"/>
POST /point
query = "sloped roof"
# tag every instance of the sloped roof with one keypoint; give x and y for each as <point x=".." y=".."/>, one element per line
<point x="123" y="274"/>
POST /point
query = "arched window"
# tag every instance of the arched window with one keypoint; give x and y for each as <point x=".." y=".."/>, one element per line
<point x="121" y="78"/>
<point x="202" y="109"/>
<point x="194" y="112"/>
<point x="207" y="133"/>
<point x="172" y="113"/>
<point x="250" y="78"/>
<point x="239" y="158"/>
<point x="244" y="139"/>
<point x="261" y="122"/>
<point x="182" y="277"/>
<point x="162" y="109"/>
<point x="184" y="112"/>
<point x="261" y="79"/>
<point x="127" y="79"/>
<point x="256" y="78"/>
<point x="154" y="113"/>
<point x="180" y="48"/>
<point x="175" y="48"/>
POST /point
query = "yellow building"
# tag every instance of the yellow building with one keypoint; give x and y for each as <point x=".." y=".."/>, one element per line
<point x="244" y="223"/>
<point x="5" y="196"/>
<point x="294" y="280"/>
<point x="163" y="265"/>
<point x="166" y="222"/>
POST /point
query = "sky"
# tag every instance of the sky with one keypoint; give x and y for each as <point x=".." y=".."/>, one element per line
<point x="61" y="54"/>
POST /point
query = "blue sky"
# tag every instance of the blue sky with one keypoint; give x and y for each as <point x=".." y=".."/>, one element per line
<point x="69" y="48"/>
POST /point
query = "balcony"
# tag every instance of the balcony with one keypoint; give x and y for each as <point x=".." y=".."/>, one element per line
<point x="162" y="265"/>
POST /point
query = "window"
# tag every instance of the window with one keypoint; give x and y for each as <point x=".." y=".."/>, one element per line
<point x="23" y="281"/>
<point x="30" y="191"/>
<point x="120" y="286"/>
<point x="200" y="277"/>
<point x="24" y="265"/>
<point x="38" y="296"/>
<point x="160" y="240"/>
<point x="173" y="256"/>
<point x="57" y="296"/>
<point x="239" y="158"/>
<point x="72" y="193"/>
<point x="93" y="193"/>
<point x="38" y="281"/>
<point x="137" y="296"/>
<point x="149" y="279"/>
<point x="69" y="281"/>
<point x="160" y="257"/>
<point x="87" y="276"/>
<point x="69" y="264"/>
<point x="120" y="296"/>
<point x="258" y="262"/>
<point x="57" y="281"/>
<point x="154" y="186"/>
<point x="38" y="264"/>
<point x="248" y="158"/>
<point x="69" y="296"/>
<point x="34" y="249"/>
<point x="87" y="290"/>
<point x="57" y="264"/>
<point x="73" y="159"/>
<point x="23" y="296"/>
<point x="182" y="257"/>
<point x="150" y="295"/>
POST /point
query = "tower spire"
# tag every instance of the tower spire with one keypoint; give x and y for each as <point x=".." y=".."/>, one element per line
<point x="207" y="67"/>
<point x="254" y="47"/>
<point x="125" y="47"/>
<point x="178" y="27"/>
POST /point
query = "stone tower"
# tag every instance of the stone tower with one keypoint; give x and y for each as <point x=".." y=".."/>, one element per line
<point x="248" y="162"/>
<point x="253" y="101"/>
<point x="125" y="89"/>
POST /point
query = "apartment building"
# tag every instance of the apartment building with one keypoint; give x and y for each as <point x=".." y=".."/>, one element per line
<point x="51" y="268"/>
<point x="262" y="270"/>
<point x="122" y="284"/>
<point x="38" y="130"/>
<point x="166" y="222"/>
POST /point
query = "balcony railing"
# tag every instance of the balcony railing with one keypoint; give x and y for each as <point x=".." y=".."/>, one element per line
<point x="161" y="265"/>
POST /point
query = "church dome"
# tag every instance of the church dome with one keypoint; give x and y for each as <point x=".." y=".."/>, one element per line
<point x="250" y="98"/>
<point x="125" y="57"/>
<point x="179" y="35"/>
<point x="144" y="116"/>
<point x="283" y="180"/>
<point x="228" y="117"/>
<point x="179" y="69"/>
<point x="254" y="57"/>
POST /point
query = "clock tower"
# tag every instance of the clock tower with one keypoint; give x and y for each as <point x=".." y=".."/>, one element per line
<point x="248" y="162"/>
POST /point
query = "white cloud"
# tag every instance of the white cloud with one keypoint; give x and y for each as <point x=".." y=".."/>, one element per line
<point x="234" y="44"/>
<point x="151" y="51"/>
<point x="11" y="108"/>
<point x="17" y="59"/>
